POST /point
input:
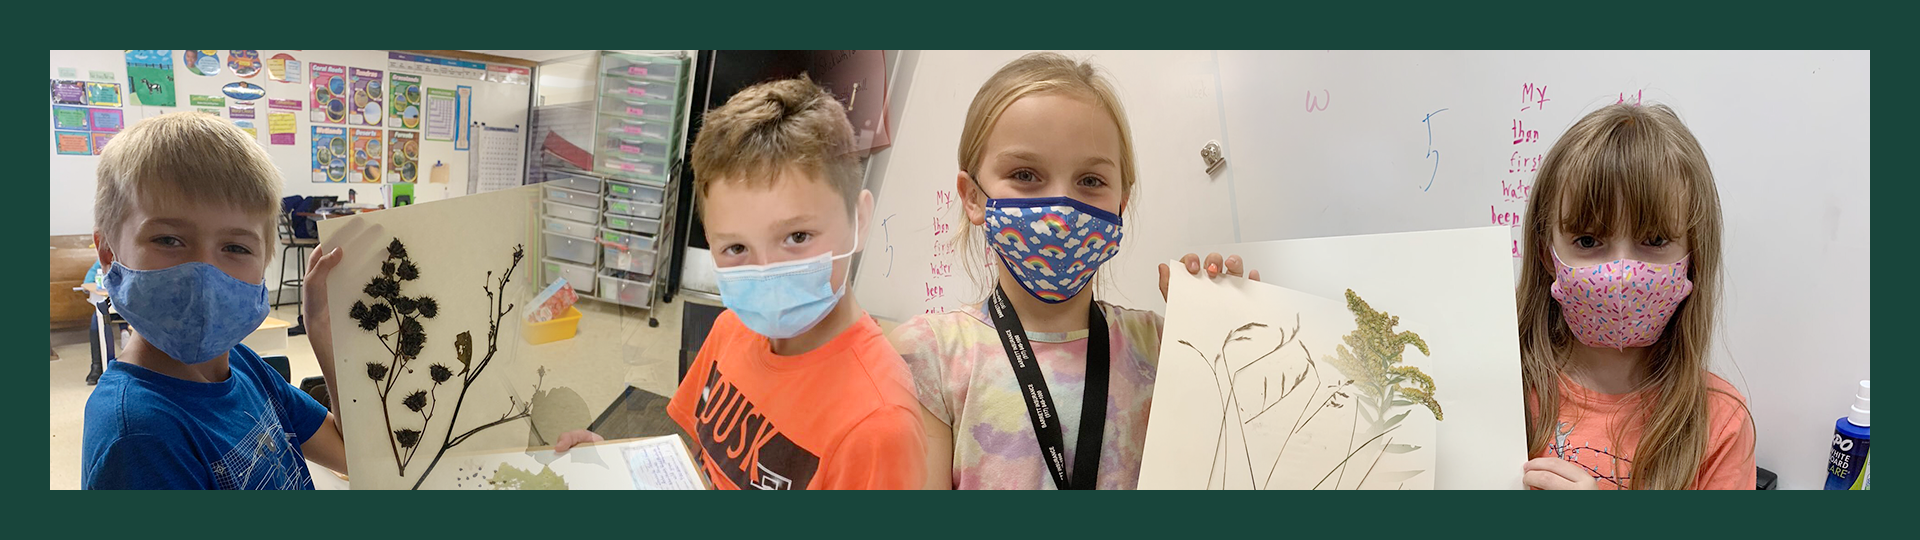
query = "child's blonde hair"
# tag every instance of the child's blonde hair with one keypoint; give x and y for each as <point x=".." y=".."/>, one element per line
<point x="1636" y="169"/>
<point x="186" y="156"/>
<point x="1036" y="74"/>
<point x="771" y="127"/>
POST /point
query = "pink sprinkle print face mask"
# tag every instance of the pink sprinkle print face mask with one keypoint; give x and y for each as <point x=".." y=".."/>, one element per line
<point x="1620" y="304"/>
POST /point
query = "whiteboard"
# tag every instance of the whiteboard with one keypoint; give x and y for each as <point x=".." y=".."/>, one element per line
<point x="1328" y="143"/>
<point x="71" y="178"/>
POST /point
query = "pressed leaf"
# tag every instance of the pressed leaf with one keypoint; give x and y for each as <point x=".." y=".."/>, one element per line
<point x="463" y="349"/>
<point x="1397" y="448"/>
<point x="1395" y="421"/>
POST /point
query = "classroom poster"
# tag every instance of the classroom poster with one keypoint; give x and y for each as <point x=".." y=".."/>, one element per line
<point x="280" y="128"/>
<point x="329" y="154"/>
<point x="440" y="114"/>
<point x="69" y="92"/>
<point x="102" y="76"/>
<point x="463" y="118"/>
<point x="106" y="120"/>
<point x="207" y="101"/>
<point x="215" y="112"/>
<point x="367" y="106"/>
<point x="150" y="77"/>
<point x="244" y="63"/>
<point x="69" y="118"/>
<point x="72" y="143"/>
<point x="103" y="94"/>
<point x="365" y="157"/>
<point x="206" y="63"/>
<point x="248" y="125"/>
<point x="284" y="104"/>
<point x="282" y="67"/>
<point x="68" y="73"/>
<point x="240" y="109"/>
<point x="100" y="141"/>
<point x="329" y="94"/>
<point x="403" y="160"/>
<point x="404" y="113"/>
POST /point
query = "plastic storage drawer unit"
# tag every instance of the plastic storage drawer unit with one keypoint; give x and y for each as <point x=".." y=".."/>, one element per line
<point x="576" y="198"/>
<point x="636" y="192"/>
<point x="637" y="129"/>
<point x="568" y="248"/>
<point x="633" y="224"/>
<point x="643" y="109"/>
<point x="580" y="277"/>
<point x="621" y="148"/>
<point x="573" y="181"/>
<point x="661" y="68"/>
<point x="633" y="209"/>
<point x="569" y="228"/>
<point x="575" y="213"/>
<point x="635" y="261"/>
<point x="614" y="287"/>
<point x="629" y="241"/>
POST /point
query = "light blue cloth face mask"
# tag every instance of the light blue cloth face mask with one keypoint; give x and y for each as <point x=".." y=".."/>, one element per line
<point x="786" y="299"/>
<point x="194" y="312"/>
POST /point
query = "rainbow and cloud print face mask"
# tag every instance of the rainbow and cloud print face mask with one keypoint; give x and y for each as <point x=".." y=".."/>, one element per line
<point x="1052" y="245"/>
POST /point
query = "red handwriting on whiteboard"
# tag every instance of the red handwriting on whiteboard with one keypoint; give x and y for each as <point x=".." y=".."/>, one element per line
<point x="1636" y="97"/>
<point x="1522" y="135"/>
<point x="1510" y="219"/>
<point x="1318" y="102"/>
<point x="1534" y="96"/>
<point x="1518" y="163"/>
<point x="1515" y="191"/>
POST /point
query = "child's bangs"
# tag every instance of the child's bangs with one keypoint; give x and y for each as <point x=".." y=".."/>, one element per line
<point x="1627" y="179"/>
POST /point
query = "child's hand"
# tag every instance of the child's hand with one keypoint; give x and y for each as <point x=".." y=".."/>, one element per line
<point x="571" y="438"/>
<point x="1214" y="265"/>
<point x="1556" y="473"/>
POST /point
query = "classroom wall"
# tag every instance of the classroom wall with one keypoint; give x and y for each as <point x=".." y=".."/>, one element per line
<point x="71" y="178"/>
<point x="1329" y="143"/>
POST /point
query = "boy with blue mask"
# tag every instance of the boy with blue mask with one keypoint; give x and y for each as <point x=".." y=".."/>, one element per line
<point x="184" y="221"/>
<point x="796" y="387"/>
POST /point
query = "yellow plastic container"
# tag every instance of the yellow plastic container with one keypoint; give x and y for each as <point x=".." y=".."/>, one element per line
<point x="559" y="328"/>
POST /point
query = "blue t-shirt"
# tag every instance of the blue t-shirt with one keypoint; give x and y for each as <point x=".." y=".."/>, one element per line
<point x="145" y="430"/>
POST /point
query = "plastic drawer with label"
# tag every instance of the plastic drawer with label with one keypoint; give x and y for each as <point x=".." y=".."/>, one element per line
<point x="576" y="182"/>
<point x="580" y="277"/>
<point x="566" y="227"/>
<point x="573" y="249"/>
<point x="615" y="287"/>
<point x="636" y="192"/>
<point x="575" y="213"/>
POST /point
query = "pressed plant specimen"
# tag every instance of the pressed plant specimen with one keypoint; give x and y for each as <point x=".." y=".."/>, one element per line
<point x="407" y="341"/>
<point x="1362" y="374"/>
<point x="1372" y="356"/>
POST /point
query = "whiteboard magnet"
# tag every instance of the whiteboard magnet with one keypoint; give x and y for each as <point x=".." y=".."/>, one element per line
<point x="1212" y="156"/>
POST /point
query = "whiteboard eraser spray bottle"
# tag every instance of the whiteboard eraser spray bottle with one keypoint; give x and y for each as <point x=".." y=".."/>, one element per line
<point x="1850" y="435"/>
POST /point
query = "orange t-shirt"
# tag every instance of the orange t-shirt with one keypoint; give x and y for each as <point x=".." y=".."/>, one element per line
<point x="1589" y="420"/>
<point x="842" y="416"/>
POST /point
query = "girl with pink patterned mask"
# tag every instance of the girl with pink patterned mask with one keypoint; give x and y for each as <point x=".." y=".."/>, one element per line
<point x="1617" y="297"/>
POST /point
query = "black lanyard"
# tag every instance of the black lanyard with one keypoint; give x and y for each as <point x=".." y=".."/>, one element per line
<point x="1046" y="422"/>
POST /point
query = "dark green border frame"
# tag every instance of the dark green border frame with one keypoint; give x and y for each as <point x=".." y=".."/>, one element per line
<point x="494" y="24"/>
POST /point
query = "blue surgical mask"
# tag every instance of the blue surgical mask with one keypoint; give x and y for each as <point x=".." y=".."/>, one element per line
<point x="194" y="312"/>
<point x="786" y="299"/>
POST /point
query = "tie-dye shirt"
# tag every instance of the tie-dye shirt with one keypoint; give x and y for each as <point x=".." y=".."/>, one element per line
<point x="963" y="377"/>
